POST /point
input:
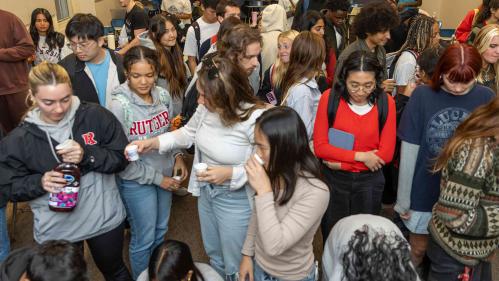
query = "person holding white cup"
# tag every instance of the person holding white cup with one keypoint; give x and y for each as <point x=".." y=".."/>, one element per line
<point x="146" y="185"/>
<point x="222" y="130"/>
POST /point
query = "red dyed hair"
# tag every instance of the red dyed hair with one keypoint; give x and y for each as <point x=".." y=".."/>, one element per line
<point x="460" y="62"/>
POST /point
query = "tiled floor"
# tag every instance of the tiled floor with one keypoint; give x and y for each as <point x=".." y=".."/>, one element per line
<point x="184" y="225"/>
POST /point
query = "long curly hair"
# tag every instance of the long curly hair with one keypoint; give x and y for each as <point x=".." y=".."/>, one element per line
<point x="377" y="257"/>
<point x="226" y="87"/>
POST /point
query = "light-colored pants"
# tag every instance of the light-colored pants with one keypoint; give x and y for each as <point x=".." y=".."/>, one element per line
<point x="224" y="217"/>
<point x="4" y="235"/>
<point x="148" y="212"/>
<point x="261" y="275"/>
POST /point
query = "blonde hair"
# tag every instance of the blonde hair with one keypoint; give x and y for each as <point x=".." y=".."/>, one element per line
<point x="44" y="74"/>
<point x="280" y="68"/>
<point x="482" y="43"/>
<point x="47" y="73"/>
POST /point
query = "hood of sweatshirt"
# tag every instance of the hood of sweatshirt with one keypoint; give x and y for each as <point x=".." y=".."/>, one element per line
<point x="145" y="41"/>
<point x="16" y="264"/>
<point x="60" y="131"/>
<point x="274" y="19"/>
<point x="342" y="233"/>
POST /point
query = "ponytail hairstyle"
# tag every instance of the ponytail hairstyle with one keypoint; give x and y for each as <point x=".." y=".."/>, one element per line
<point x="171" y="61"/>
<point x="483" y="122"/>
<point x="227" y="89"/>
<point x="140" y="53"/>
<point x="44" y="74"/>
<point x="172" y="260"/>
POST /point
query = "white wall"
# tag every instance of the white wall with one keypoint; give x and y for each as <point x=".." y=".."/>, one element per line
<point x="451" y="12"/>
<point x="23" y="9"/>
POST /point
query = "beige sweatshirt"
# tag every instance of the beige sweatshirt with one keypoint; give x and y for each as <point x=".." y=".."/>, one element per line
<point x="280" y="237"/>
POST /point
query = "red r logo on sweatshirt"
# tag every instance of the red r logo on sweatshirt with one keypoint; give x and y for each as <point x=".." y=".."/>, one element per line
<point x="89" y="138"/>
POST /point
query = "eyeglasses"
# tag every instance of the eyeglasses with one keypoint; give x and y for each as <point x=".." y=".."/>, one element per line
<point x="82" y="45"/>
<point x="211" y="66"/>
<point x="367" y="88"/>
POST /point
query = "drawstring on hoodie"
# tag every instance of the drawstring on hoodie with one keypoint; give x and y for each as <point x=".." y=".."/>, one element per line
<point x="52" y="146"/>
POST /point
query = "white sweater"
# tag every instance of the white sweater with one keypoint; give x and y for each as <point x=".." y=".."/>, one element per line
<point x="216" y="144"/>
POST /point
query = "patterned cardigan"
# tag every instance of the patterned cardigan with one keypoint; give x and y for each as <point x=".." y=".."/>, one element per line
<point x="465" y="220"/>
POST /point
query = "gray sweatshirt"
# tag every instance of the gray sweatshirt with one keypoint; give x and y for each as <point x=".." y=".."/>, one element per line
<point x="143" y="121"/>
<point x="99" y="209"/>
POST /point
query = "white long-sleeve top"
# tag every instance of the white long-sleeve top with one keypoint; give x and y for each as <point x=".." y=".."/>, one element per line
<point x="215" y="144"/>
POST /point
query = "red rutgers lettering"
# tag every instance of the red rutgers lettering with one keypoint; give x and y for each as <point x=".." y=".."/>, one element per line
<point x="89" y="138"/>
<point x="148" y="126"/>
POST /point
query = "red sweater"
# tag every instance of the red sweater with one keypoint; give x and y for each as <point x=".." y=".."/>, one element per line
<point x="464" y="29"/>
<point x="365" y="131"/>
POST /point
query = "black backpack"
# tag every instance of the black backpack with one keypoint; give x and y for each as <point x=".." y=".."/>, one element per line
<point x="197" y="34"/>
<point x="334" y="102"/>
<point x="391" y="68"/>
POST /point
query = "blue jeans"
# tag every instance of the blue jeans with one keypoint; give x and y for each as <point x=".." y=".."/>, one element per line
<point x="148" y="212"/>
<point x="260" y="275"/>
<point x="4" y="235"/>
<point x="224" y="216"/>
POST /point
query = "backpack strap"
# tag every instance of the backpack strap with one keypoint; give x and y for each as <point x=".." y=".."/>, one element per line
<point x="332" y="107"/>
<point x="197" y="34"/>
<point x="382" y="103"/>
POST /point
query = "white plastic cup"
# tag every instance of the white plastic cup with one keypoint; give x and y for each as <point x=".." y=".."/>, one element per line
<point x="258" y="159"/>
<point x="111" y="43"/>
<point x="132" y="152"/>
<point x="66" y="144"/>
<point x="200" y="167"/>
<point x="254" y="18"/>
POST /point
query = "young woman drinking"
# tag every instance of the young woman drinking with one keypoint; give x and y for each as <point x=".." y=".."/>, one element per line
<point x="289" y="203"/>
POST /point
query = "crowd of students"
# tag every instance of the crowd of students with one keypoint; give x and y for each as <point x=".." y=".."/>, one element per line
<point x="290" y="130"/>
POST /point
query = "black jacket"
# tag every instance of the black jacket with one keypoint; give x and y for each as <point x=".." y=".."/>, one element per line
<point x="330" y="37"/>
<point x="316" y="5"/>
<point x="82" y="84"/>
<point x="25" y="154"/>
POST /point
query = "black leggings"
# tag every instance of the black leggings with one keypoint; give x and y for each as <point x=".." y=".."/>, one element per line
<point x="107" y="252"/>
